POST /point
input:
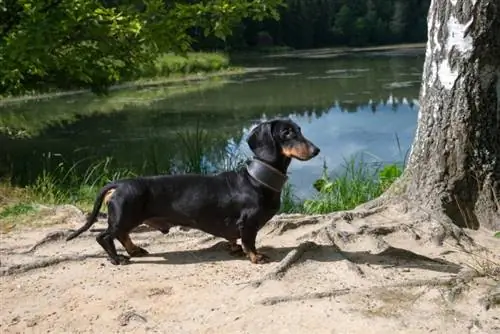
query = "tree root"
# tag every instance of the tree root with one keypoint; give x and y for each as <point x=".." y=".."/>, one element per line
<point x="362" y="212"/>
<point x="351" y="265"/>
<point x="282" y="223"/>
<point x="126" y="317"/>
<point x="308" y="296"/>
<point x="292" y="257"/>
<point x="492" y="298"/>
<point x="461" y="278"/>
<point x="22" y="268"/>
<point x="51" y="237"/>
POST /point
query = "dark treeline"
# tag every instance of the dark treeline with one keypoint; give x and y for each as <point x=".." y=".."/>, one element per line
<point x="322" y="23"/>
<point x="69" y="44"/>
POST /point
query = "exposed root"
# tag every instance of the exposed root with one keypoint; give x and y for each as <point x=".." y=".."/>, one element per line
<point x="308" y="296"/>
<point x="292" y="257"/>
<point x="461" y="278"/>
<point x="361" y="213"/>
<point x="283" y="223"/>
<point x="126" y="317"/>
<point x="351" y="265"/>
<point x="492" y="298"/>
<point x="22" y="268"/>
<point x="51" y="237"/>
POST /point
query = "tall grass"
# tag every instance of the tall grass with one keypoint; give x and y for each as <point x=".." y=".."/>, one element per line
<point x="64" y="181"/>
<point x="67" y="182"/>
<point x="196" y="62"/>
<point x="357" y="183"/>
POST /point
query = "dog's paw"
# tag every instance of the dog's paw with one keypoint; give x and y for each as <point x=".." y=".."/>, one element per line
<point x="259" y="258"/>
<point x="120" y="260"/>
<point x="138" y="252"/>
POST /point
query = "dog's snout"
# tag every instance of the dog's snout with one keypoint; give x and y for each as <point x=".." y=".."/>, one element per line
<point x="315" y="151"/>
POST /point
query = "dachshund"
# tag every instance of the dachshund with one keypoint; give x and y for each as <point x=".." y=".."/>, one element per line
<point x="231" y="205"/>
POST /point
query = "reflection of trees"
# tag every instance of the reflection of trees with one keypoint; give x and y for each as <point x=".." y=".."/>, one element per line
<point x="147" y="148"/>
<point x="144" y="145"/>
<point x="351" y="106"/>
<point x="143" y="137"/>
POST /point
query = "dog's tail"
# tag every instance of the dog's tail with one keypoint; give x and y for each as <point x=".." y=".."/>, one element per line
<point x="92" y="218"/>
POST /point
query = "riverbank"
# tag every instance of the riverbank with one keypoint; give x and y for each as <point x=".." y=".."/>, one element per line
<point x="168" y="68"/>
<point x="198" y="66"/>
<point x="357" y="183"/>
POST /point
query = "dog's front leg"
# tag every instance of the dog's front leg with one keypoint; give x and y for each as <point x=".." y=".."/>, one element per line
<point x="248" y="233"/>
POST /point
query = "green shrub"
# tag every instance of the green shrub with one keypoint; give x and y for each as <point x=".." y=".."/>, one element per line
<point x="357" y="184"/>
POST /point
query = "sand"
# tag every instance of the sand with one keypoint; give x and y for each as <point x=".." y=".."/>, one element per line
<point x="379" y="271"/>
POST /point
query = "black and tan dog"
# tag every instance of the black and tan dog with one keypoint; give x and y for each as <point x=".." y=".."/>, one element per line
<point x="232" y="205"/>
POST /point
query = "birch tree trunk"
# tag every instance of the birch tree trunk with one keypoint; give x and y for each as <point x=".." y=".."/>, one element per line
<point x="454" y="165"/>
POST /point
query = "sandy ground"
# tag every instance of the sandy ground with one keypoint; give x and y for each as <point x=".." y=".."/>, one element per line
<point x="342" y="273"/>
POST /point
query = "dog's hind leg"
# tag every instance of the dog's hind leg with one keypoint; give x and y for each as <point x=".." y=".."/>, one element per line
<point x="116" y="224"/>
<point x="132" y="249"/>
<point x="105" y="239"/>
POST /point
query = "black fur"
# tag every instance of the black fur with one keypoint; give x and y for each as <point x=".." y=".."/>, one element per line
<point x="230" y="205"/>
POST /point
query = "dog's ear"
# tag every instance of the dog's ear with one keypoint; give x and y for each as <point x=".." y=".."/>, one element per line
<point x="261" y="141"/>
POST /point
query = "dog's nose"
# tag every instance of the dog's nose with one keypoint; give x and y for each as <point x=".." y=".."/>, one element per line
<point x="315" y="151"/>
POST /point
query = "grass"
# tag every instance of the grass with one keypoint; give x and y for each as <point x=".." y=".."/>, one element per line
<point x="167" y="65"/>
<point x="63" y="183"/>
<point x="17" y="209"/>
<point x="358" y="182"/>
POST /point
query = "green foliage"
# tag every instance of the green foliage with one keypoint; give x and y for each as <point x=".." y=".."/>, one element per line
<point x="17" y="209"/>
<point x="497" y="235"/>
<point x="388" y="175"/>
<point x="90" y="43"/>
<point x="62" y="182"/>
<point x="195" y="148"/>
<point x="358" y="183"/>
<point x="322" y="23"/>
<point x="289" y="201"/>
<point x="168" y="64"/>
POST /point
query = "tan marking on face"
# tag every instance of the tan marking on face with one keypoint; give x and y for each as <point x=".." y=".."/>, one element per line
<point x="108" y="195"/>
<point x="300" y="151"/>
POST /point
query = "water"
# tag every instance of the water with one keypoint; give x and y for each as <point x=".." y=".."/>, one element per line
<point x="363" y="104"/>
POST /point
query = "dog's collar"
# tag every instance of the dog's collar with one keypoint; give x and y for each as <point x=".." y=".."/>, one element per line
<point x="266" y="175"/>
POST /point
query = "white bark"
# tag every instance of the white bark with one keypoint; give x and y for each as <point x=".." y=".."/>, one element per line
<point x="454" y="164"/>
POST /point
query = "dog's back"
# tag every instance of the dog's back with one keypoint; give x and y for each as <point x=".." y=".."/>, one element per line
<point x="211" y="203"/>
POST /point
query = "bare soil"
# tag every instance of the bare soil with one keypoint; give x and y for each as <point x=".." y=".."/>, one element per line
<point x="384" y="270"/>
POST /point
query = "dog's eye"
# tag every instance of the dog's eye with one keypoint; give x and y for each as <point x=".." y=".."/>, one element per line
<point x="288" y="133"/>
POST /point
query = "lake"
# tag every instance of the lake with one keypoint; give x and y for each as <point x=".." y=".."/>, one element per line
<point x="354" y="105"/>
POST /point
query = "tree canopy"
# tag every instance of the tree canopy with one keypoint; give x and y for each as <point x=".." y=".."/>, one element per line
<point x="95" y="43"/>
<point x="323" y="23"/>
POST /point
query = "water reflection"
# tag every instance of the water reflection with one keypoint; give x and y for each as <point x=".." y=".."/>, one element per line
<point x="346" y="106"/>
<point x="377" y="137"/>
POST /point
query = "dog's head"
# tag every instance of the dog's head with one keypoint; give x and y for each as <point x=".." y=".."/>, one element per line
<point x="275" y="138"/>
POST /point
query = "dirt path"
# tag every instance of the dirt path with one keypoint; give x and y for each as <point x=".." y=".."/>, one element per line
<point x="342" y="273"/>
